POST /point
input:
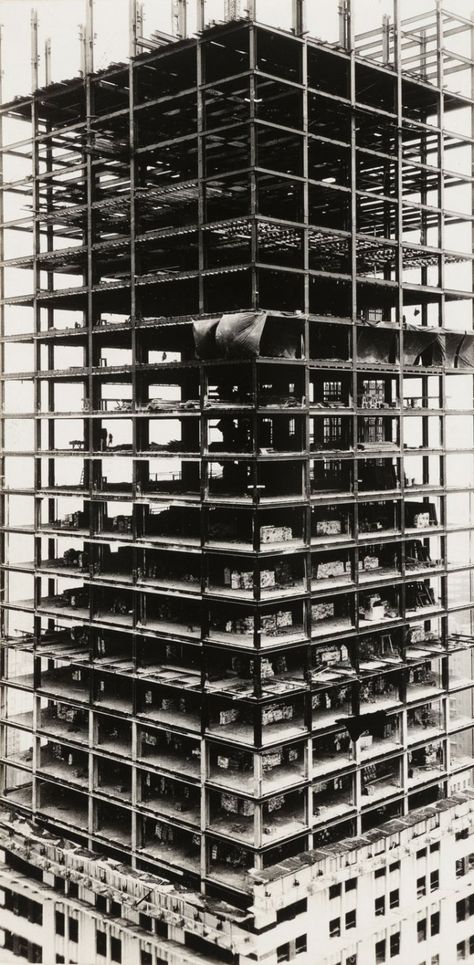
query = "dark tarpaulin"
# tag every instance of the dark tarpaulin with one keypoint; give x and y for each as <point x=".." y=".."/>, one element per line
<point x="238" y="336"/>
<point x="373" y="724"/>
<point x="418" y="341"/>
<point x="281" y="340"/>
<point x="230" y="336"/>
<point x="459" y="350"/>
<point x="204" y="332"/>
<point x="376" y="346"/>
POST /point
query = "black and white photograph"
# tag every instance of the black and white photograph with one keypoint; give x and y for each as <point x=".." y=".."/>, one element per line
<point x="236" y="482"/>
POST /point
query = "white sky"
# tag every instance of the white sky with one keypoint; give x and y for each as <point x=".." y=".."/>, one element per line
<point x="60" y="20"/>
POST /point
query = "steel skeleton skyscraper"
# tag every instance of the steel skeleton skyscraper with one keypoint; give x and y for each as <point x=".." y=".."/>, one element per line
<point x="238" y="445"/>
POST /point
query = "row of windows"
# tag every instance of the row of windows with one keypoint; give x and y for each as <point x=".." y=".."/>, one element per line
<point x="73" y="926"/>
<point x="336" y="890"/>
<point x="284" y="951"/>
<point x="350" y="921"/>
<point x="114" y="951"/>
<point x="24" y="907"/>
<point x="393" y="948"/>
<point x="465" y="949"/>
<point x="23" y="948"/>
<point x="380" y="901"/>
<point x="428" y="926"/>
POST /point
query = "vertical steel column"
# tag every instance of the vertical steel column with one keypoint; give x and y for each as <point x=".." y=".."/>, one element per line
<point x="307" y="463"/>
<point x="89" y="37"/>
<point x="135" y="26"/>
<point x="89" y="361"/>
<point x="471" y="32"/>
<point x="200" y="132"/>
<point x="34" y="51"/>
<point x="347" y="42"/>
<point x="346" y="38"/>
<point x="3" y="666"/>
<point x="299" y="17"/>
<point x="179" y="18"/>
<point x="442" y="282"/>
<point x="232" y="9"/>
<point x="135" y="398"/>
<point x="200" y="15"/>
<point x="398" y="69"/>
<point x="47" y="61"/>
<point x="37" y="431"/>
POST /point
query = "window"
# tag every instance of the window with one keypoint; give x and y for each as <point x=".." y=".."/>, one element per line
<point x="116" y="949"/>
<point x="461" y="951"/>
<point x="101" y="943"/>
<point x="301" y="944"/>
<point x="334" y="891"/>
<point x="23" y="948"/>
<point x="380" y="951"/>
<point x="59" y="959"/>
<point x="332" y="430"/>
<point x="73" y="930"/>
<point x="421" y="930"/>
<point x="146" y="958"/>
<point x="421" y="853"/>
<point x="296" y="908"/>
<point x="434" y="923"/>
<point x="332" y="391"/>
<point x="464" y="865"/>
<point x="435" y="960"/>
<point x="462" y="835"/>
<point x="434" y="847"/>
<point x="335" y="928"/>
<point x="421" y="887"/>
<point x="434" y="880"/>
<point x="380" y="905"/>
<point x="283" y="953"/>
<point x="59" y="923"/>
<point x="394" y="898"/>
<point x="395" y="944"/>
<point x="465" y="908"/>
<point x="395" y="866"/>
<point x="380" y="872"/>
<point x="350" y="884"/>
<point x="351" y="919"/>
<point x="24" y="907"/>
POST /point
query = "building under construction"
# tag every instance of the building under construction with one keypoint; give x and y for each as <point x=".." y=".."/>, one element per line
<point x="238" y="453"/>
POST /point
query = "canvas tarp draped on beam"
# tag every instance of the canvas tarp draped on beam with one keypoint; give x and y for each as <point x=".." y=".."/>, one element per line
<point x="229" y="336"/>
<point x="452" y="349"/>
